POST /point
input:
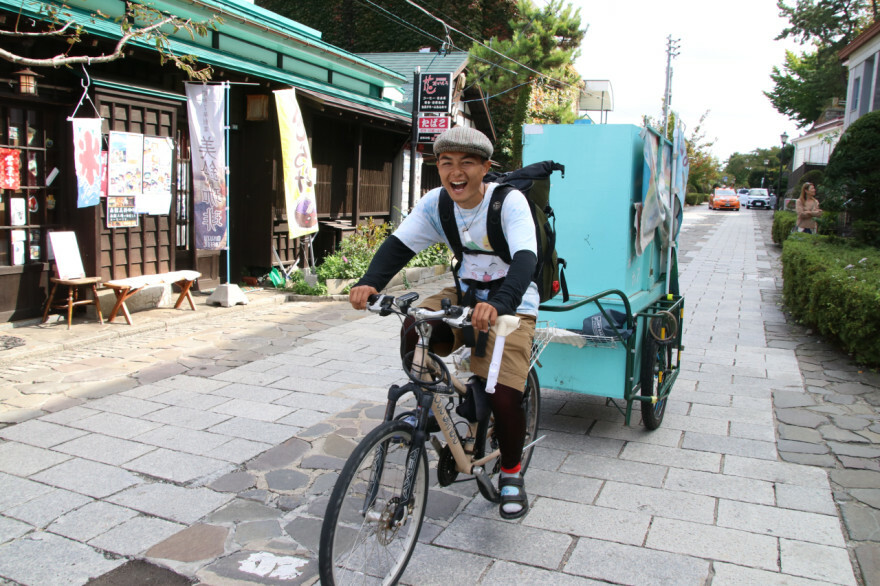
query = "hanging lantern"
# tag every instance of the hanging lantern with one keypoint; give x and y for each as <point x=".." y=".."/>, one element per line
<point x="27" y="82"/>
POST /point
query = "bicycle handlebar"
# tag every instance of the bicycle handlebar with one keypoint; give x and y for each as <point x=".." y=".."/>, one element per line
<point x="456" y="316"/>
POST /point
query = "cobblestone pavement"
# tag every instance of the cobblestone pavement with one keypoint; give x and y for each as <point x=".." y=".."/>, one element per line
<point x="209" y="444"/>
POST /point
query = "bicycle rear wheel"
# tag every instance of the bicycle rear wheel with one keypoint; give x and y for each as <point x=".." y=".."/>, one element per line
<point x="361" y="543"/>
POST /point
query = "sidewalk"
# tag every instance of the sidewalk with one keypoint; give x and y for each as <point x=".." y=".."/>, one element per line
<point x="209" y="445"/>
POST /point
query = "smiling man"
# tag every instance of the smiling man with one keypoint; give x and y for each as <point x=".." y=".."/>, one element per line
<point x="483" y="281"/>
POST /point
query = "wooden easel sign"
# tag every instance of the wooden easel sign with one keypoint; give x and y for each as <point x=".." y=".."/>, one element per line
<point x="68" y="263"/>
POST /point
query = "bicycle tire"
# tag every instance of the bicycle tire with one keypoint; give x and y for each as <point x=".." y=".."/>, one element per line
<point x="356" y="547"/>
<point x="532" y="405"/>
<point x="656" y="359"/>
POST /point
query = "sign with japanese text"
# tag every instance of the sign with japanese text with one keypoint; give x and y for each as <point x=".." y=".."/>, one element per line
<point x="10" y="169"/>
<point x="87" y="160"/>
<point x="299" y="177"/>
<point x="430" y="127"/>
<point x="435" y="92"/>
<point x="121" y="211"/>
<point x="205" y="108"/>
<point x="126" y="162"/>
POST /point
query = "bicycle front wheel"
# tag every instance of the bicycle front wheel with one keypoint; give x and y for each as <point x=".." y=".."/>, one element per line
<point x="367" y="537"/>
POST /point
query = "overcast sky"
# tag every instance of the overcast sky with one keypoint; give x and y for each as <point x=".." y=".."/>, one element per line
<point x="726" y="55"/>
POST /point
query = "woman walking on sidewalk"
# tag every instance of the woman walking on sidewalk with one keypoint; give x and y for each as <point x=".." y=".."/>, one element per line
<point x="807" y="208"/>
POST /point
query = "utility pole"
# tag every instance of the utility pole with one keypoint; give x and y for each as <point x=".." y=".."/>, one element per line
<point x="672" y="46"/>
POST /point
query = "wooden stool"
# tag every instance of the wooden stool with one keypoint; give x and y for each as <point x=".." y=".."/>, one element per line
<point x="72" y="297"/>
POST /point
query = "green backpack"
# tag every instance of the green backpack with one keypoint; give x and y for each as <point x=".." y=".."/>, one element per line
<point x="534" y="182"/>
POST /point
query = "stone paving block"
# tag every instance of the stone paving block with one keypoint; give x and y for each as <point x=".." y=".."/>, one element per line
<point x="812" y="527"/>
<point x="258" y="431"/>
<point x="614" y="469"/>
<point x="175" y="503"/>
<point x="135" y="536"/>
<point x="816" y="561"/>
<point x="242" y="375"/>
<point x="561" y="486"/>
<point x="91" y="520"/>
<point x="237" y="450"/>
<point x="50" y="560"/>
<point x="813" y="500"/>
<point x="545" y="458"/>
<point x="308" y="385"/>
<point x="89" y="478"/>
<point x="661" y="437"/>
<point x="674" y="457"/>
<point x="868" y="556"/>
<point x="437" y="566"/>
<point x="701" y="397"/>
<point x="195" y="384"/>
<point x="193" y="544"/>
<point x="188" y="400"/>
<point x="316" y="402"/>
<point x="45" y="508"/>
<point x="181" y="439"/>
<point x="114" y="425"/>
<point x="869" y="496"/>
<point x="177" y="466"/>
<point x="198" y="419"/>
<point x="104" y="448"/>
<point x="588" y="521"/>
<point x="729" y="445"/>
<point x="732" y="575"/>
<point x="251" y="392"/>
<point x="24" y="460"/>
<point x="253" y="410"/>
<point x="732" y="414"/>
<point x="15" y="491"/>
<point x="11" y="529"/>
<point x="856" y="478"/>
<point x="720" y="485"/>
<point x="716" y="543"/>
<point x="626" y="564"/>
<point x="775" y="471"/>
<point x="39" y="433"/>
<point x="659" y="502"/>
<point x="862" y="522"/>
<point x="583" y="444"/>
<point x="128" y="406"/>
<point x="753" y="431"/>
<point x="304" y="418"/>
<point x="698" y="424"/>
<point x="503" y="572"/>
<point x="545" y="548"/>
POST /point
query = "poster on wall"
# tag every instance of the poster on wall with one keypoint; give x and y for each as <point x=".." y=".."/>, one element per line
<point x="17" y="213"/>
<point x="121" y="211"/>
<point x="18" y="243"/>
<point x="10" y="169"/>
<point x="299" y="176"/>
<point x="158" y="159"/>
<point x="205" y="106"/>
<point x="125" y="163"/>
<point x="87" y="160"/>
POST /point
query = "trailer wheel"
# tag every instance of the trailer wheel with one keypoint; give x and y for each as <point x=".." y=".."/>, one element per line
<point x="656" y="359"/>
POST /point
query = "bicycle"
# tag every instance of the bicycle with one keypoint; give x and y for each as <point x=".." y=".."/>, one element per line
<point x="377" y="506"/>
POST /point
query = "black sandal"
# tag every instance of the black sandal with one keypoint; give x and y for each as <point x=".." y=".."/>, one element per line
<point x="516" y="495"/>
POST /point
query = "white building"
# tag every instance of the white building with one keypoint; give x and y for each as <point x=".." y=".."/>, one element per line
<point x="862" y="59"/>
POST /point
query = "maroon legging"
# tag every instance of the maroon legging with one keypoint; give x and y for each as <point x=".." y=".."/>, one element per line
<point x="510" y="417"/>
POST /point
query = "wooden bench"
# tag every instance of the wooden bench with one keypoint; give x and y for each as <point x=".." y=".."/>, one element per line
<point x="125" y="288"/>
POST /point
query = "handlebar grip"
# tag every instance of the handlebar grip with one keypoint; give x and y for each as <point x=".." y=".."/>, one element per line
<point x="372" y="299"/>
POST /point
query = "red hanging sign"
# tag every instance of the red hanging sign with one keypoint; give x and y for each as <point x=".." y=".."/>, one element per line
<point x="10" y="169"/>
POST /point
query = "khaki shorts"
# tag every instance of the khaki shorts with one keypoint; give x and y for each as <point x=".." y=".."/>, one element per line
<point x="517" y="346"/>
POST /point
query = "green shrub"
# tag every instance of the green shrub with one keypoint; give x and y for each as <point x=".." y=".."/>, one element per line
<point x="854" y="167"/>
<point x="353" y="257"/>
<point x="834" y="286"/>
<point x="297" y="284"/>
<point x="695" y="199"/>
<point x="783" y="224"/>
<point x="436" y="254"/>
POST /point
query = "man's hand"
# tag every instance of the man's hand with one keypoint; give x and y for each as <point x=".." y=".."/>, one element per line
<point x="358" y="296"/>
<point x="483" y="316"/>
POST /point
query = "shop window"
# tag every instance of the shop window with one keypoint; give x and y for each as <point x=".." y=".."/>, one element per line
<point x="28" y="185"/>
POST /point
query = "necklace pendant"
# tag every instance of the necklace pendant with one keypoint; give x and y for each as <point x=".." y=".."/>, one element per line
<point x="466" y="238"/>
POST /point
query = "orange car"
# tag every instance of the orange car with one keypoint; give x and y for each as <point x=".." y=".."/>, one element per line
<point x="724" y="199"/>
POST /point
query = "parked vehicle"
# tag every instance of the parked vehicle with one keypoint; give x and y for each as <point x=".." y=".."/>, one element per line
<point x="723" y="198"/>
<point x="743" y="195"/>
<point x="758" y="198"/>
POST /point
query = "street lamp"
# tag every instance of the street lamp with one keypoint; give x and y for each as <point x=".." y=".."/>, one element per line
<point x="784" y="138"/>
<point x="764" y="176"/>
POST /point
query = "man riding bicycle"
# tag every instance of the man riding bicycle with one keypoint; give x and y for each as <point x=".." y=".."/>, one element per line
<point x="484" y="281"/>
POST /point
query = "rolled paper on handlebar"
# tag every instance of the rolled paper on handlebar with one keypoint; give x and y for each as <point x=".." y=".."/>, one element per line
<point x="504" y="325"/>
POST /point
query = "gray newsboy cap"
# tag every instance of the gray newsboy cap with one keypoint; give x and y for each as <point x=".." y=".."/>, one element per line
<point x="462" y="139"/>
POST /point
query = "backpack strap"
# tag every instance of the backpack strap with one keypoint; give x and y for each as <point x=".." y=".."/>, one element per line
<point x="493" y="222"/>
<point x="446" y="209"/>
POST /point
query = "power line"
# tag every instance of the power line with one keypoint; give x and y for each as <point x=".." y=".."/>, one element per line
<point x="410" y="2"/>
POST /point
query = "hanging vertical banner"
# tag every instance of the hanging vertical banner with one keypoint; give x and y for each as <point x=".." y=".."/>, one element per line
<point x="299" y="177"/>
<point x="205" y="107"/>
<point x="87" y="160"/>
<point x="10" y="169"/>
<point x="125" y="164"/>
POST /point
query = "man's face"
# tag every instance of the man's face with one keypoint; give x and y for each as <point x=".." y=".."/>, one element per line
<point x="462" y="176"/>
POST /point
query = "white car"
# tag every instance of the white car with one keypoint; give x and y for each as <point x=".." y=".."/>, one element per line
<point x="743" y="195"/>
<point x="758" y="198"/>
